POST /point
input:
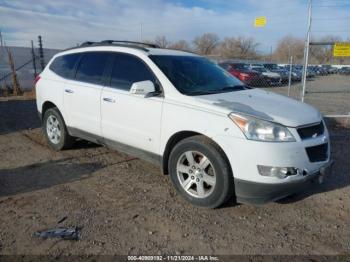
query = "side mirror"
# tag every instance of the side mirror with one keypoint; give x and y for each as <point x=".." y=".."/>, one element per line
<point x="144" y="88"/>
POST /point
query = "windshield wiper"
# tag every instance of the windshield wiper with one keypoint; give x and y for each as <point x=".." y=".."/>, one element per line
<point x="216" y="91"/>
<point x="233" y="88"/>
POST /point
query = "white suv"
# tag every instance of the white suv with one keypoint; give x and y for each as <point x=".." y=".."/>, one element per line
<point x="215" y="137"/>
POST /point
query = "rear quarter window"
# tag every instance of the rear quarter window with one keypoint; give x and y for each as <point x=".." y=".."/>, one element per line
<point x="64" y="65"/>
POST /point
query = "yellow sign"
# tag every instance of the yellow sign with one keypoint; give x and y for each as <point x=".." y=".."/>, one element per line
<point x="260" y="21"/>
<point x="341" y="49"/>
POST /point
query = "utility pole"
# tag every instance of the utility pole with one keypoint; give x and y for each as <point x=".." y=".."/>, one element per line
<point x="289" y="52"/>
<point x="290" y="74"/>
<point x="41" y="53"/>
<point x="1" y="45"/>
<point x="1" y="42"/>
<point x="271" y="54"/>
<point x="34" y="60"/>
<point x="306" y="51"/>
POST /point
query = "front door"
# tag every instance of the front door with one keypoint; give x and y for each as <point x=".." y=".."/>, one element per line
<point x="130" y="119"/>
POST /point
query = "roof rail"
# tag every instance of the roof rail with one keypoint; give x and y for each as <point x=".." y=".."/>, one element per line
<point x="132" y="44"/>
<point x="129" y="42"/>
<point x="87" y="43"/>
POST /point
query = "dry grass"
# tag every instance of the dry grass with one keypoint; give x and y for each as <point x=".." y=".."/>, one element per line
<point x="27" y="95"/>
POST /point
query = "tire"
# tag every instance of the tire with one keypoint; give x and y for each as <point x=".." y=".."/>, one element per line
<point x="55" y="130"/>
<point x="206" y="180"/>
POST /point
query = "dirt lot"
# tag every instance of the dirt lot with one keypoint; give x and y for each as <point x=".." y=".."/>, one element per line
<point x="126" y="206"/>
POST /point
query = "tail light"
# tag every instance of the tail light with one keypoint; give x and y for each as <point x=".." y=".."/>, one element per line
<point x="244" y="76"/>
<point x="37" y="78"/>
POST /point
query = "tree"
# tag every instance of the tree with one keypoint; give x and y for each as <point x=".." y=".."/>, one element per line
<point x="289" y="46"/>
<point x="206" y="44"/>
<point x="161" y="41"/>
<point x="15" y="85"/>
<point x="323" y="54"/>
<point x="180" y="45"/>
<point x="239" y="47"/>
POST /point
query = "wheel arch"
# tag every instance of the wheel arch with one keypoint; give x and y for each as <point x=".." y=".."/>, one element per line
<point x="176" y="138"/>
<point x="46" y="105"/>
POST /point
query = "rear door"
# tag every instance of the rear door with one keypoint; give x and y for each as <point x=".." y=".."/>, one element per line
<point x="82" y="94"/>
<point x="130" y="119"/>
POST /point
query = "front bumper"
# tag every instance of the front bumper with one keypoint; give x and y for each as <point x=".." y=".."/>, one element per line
<point x="260" y="193"/>
<point x="273" y="80"/>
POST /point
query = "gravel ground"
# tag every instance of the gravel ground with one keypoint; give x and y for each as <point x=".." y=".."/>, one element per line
<point x="126" y="206"/>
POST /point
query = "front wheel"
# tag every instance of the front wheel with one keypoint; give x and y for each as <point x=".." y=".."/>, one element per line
<point x="200" y="172"/>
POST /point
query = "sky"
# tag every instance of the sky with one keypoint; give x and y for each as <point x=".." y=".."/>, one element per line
<point x="65" y="23"/>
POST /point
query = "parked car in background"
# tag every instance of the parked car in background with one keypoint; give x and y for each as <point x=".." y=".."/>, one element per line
<point x="333" y="70"/>
<point x="275" y="68"/>
<point x="344" y="71"/>
<point x="329" y="69"/>
<point x="271" y="78"/>
<point x="296" y="73"/>
<point x="243" y="73"/>
<point x="319" y="70"/>
<point x="310" y="72"/>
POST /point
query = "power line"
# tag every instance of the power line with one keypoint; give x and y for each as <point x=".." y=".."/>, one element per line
<point x="331" y="31"/>
<point x="331" y="18"/>
<point x="322" y="6"/>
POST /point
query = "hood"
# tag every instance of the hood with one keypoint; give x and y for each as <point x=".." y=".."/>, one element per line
<point x="272" y="74"/>
<point x="265" y="105"/>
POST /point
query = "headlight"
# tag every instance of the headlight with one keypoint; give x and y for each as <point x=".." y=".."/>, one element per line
<point x="260" y="130"/>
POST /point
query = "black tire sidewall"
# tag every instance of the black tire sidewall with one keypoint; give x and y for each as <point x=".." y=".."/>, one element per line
<point x="56" y="113"/>
<point x="224" y="179"/>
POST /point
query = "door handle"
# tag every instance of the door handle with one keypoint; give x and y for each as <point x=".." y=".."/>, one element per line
<point x="70" y="91"/>
<point x="108" y="99"/>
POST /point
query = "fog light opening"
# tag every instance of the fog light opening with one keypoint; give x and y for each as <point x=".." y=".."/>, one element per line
<point x="279" y="172"/>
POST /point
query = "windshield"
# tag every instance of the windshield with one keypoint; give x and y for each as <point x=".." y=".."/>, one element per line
<point x="195" y="75"/>
<point x="271" y="66"/>
<point x="241" y="66"/>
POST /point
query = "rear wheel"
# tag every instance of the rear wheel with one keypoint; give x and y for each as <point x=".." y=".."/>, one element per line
<point x="200" y="172"/>
<point x="55" y="130"/>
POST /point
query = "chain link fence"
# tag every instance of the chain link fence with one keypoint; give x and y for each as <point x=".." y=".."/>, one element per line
<point x="330" y="88"/>
<point x="327" y="85"/>
<point x="19" y="67"/>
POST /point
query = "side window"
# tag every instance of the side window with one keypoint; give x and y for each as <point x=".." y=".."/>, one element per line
<point x="128" y="69"/>
<point x="64" y="65"/>
<point x="91" y="67"/>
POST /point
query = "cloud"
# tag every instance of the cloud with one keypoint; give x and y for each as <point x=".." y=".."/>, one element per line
<point x="65" y="23"/>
